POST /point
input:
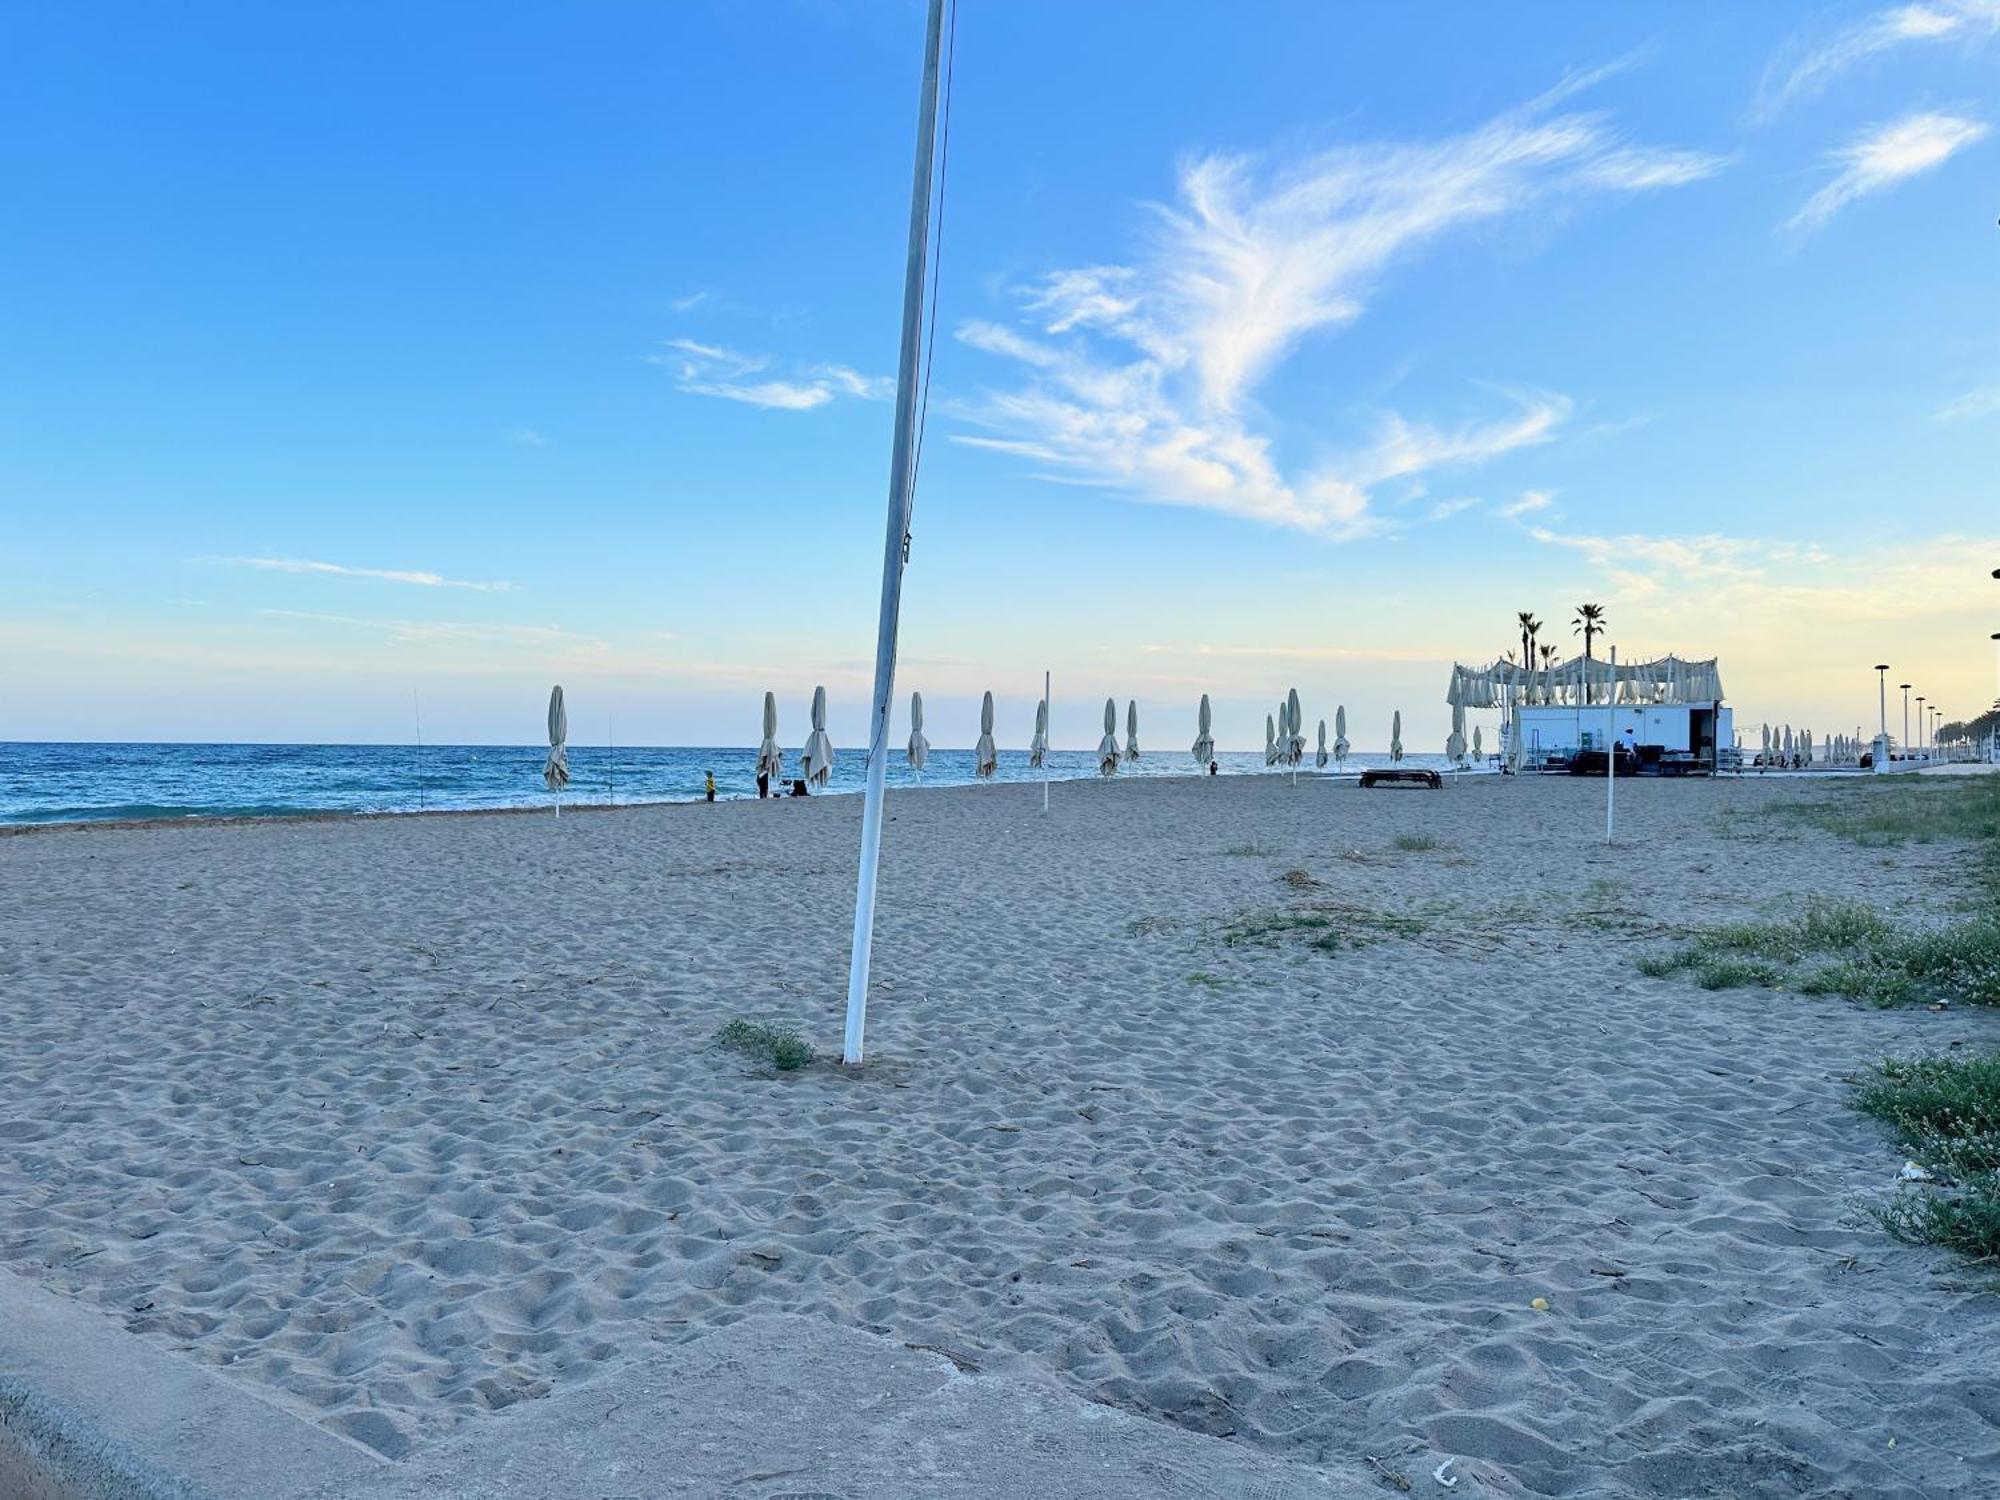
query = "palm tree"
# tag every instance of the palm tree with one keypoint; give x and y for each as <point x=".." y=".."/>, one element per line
<point x="1548" y="654"/>
<point x="1589" y="622"/>
<point x="1530" y="628"/>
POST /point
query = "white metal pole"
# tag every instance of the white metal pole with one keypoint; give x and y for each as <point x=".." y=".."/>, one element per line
<point x="1048" y="734"/>
<point x="1611" y="754"/>
<point x="895" y="542"/>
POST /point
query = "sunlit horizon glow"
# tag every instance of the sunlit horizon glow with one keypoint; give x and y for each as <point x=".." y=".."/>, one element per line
<point x="1311" y="380"/>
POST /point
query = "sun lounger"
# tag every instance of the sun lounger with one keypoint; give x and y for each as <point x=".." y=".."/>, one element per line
<point x="1410" y="777"/>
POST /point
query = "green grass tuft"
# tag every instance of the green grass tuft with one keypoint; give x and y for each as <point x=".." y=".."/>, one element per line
<point x="1945" y="1112"/>
<point x="781" y="1046"/>
<point x="1415" y="843"/>
<point x="1859" y="954"/>
<point x="1250" y="849"/>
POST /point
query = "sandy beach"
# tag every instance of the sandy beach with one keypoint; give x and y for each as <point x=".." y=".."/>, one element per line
<point x="403" y="1120"/>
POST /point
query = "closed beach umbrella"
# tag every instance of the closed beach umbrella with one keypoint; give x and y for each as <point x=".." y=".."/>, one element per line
<point x="1204" y="740"/>
<point x="555" y="770"/>
<point x="1319" y="756"/>
<point x="1478" y="751"/>
<point x="1270" y="740"/>
<point x="1340" y="745"/>
<point x="1295" y="729"/>
<point x="1454" y="745"/>
<point x="1132" y="729"/>
<point x="1107" y="748"/>
<point x="770" y="759"/>
<point x="1038" y="747"/>
<point x="985" y="754"/>
<point x="1396" y="737"/>
<point x="919" y="749"/>
<point x="816" y="760"/>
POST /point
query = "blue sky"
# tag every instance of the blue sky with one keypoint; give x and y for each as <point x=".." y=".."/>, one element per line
<point x="347" y="352"/>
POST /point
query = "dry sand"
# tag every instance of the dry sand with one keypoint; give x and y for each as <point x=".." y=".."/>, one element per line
<point x="407" y="1119"/>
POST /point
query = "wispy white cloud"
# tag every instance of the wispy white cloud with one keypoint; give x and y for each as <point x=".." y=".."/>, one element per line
<point x="712" y="370"/>
<point x="690" y="302"/>
<point x="526" y="437"/>
<point x="1809" y="63"/>
<point x="1739" y="578"/>
<point x="1530" y="501"/>
<point x="1884" y="156"/>
<point x="1984" y="402"/>
<point x="1142" y="378"/>
<point x="1444" y="510"/>
<point x="419" y="577"/>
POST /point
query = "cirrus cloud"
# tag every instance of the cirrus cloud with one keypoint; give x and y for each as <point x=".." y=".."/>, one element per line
<point x="1141" y="378"/>
<point x="1880" y="158"/>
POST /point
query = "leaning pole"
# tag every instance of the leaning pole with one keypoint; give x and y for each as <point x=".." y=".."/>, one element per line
<point x="895" y="540"/>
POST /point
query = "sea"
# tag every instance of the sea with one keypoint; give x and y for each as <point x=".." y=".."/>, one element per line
<point x="78" y="783"/>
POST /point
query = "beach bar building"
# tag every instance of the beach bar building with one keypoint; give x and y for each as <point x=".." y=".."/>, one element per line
<point x="1670" y="711"/>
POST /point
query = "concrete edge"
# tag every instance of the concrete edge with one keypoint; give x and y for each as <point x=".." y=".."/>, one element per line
<point x="48" y="1452"/>
<point x="89" y="1411"/>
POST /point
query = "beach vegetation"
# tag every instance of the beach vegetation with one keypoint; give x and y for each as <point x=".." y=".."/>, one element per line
<point x="1415" y="843"/>
<point x="1326" y="925"/>
<point x="1205" y="980"/>
<point x="1250" y="849"/>
<point x="1885" y="812"/>
<point x="780" y="1046"/>
<point x="1945" y="1112"/>
<point x="1835" y="947"/>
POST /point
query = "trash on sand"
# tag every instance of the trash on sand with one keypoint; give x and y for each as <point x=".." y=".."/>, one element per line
<point x="1439" y="1474"/>
<point x="1913" y="1173"/>
<point x="1540" y="1304"/>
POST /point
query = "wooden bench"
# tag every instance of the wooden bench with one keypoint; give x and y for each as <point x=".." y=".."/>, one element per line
<point x="1411" y="777"/>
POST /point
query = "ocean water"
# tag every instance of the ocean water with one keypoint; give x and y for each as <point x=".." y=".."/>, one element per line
<point x="67" y="783"/>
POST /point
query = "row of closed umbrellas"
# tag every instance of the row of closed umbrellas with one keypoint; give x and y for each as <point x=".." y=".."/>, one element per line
<point x="1284" y="739"/>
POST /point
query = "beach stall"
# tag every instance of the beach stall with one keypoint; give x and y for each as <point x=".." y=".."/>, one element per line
<point x="1668" y="713"/>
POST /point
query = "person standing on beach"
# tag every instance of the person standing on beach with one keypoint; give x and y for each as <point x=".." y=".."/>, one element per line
<point x="708" y="780"/>
<point x="763" y="785"/>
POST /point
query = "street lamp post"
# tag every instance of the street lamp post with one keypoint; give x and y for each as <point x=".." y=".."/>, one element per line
<point x="1882" y="706"/>
<point x="1920" y="723"/>
<point x="1906" y="716"/>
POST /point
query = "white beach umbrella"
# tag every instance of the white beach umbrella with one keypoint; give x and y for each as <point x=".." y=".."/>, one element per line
<point x="1454" y="745"/>
<point x="816" y="759"/>
<point x="985" y="754"/>
<point x="1107" y="748"/>
<point x="1132" y="729"/>
<point x="1396" y="737"/>
<point x="1295" y="729"/>
<point x="1766" y="752"/>
<point x="770" y="759"/>
<point x="1270" y="740"/>
<point x="1340" y="745"/>
<point x="1204" y="741"/>
<point x="919" y="749"/>
<point x="1038" y="747"/>
<point x="1319" y="756"/>
<point x="1478" y="750"/>
<point x="555" y="770"/>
